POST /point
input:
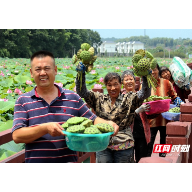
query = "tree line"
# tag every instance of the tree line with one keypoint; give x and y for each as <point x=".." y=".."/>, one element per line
<point x="154" y="42"/>
<point x="161" y="46"/>
<point x="22" y="43"/>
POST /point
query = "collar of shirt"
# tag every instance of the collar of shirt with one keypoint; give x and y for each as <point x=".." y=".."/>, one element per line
<point x="118" y="100"/>
<point x="60" y="91"/>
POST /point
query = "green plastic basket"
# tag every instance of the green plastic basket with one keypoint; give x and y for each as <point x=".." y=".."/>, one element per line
<point x="87" y="142"/>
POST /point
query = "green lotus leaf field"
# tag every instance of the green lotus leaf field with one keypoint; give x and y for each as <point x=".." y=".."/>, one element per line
<point x="15" y="79"/>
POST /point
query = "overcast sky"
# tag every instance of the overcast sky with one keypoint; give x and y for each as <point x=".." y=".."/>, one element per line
<point x="152" y="33"/>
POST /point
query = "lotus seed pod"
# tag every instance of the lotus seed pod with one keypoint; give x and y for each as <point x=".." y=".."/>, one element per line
<point x="85" y="46"/>
<point x="143" y="65"/>
<point x="65" y="125"/>
<point x="85" y="57"/>
<point x="91" y="51"/>
<point x="135" y="65"/>
<point x="94" y="126"/>
<point x="136" y="58"/>
<point x="89" y="68"/>
<point x="142" y="73"/>
<point x="78" y="53"/>
<point x="93" y="59"/>
<point x="148" y="55"/>
<point x="75" y="120"/>
<point x="135" y="71"/>
<point x="104" y="127"/>
<point x="91" y="130"/>
<point x="140" y="52"/>
<point x="76" y="129"/>
<point x="87" y="123"/>
<point x="74" y="59"/>
<point x="174" y="110"/>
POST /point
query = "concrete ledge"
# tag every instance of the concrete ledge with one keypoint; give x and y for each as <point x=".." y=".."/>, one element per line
<point x="186" y="108"/>
<point x="155" y="160"/>
<point x="190" y="98"/>
<point x="186" y="117"/>
<point x="172" y="157"/>
<point x="178" y="128"/>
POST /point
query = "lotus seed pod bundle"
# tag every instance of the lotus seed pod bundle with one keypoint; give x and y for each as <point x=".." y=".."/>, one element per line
<point x="142" y="66"/>
<point x="87" y="57"/>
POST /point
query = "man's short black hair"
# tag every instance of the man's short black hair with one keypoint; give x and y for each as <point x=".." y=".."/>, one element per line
<point x="41" y="54"/>
<point x="110" y="76"/>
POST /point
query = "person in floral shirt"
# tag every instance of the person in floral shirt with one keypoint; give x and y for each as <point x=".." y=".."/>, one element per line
<point x="119" y="108"/>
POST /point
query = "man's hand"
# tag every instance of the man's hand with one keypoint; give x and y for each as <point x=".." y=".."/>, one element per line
<point x="81" y="67"/>
<point x="30" y="134"/>
<point x="54" y="129"/>
<point x="142" y="108"/>
<point x="115" y="126"/>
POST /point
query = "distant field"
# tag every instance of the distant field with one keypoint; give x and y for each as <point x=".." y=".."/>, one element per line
<point x="15" y="77"/>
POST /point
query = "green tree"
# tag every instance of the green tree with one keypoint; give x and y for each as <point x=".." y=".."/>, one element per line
<point x="61" y="42"/>
<point x="189" y="50"/>
<point x="22" y="47"/>
<point x="159" y="49"/>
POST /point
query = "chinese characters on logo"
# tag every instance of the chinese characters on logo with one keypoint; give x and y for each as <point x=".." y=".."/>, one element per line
<point x="167" y="148"/>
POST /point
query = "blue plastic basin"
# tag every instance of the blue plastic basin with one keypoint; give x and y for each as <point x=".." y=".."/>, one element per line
<point x="171" y="116"/>
<point x="87" y="142"/>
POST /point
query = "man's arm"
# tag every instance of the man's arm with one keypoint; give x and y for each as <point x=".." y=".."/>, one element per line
<point x="29" y="134"/>
<point x="100" y="120"/>
<point x="83" y="92"/>
<point x="90" y="97"/>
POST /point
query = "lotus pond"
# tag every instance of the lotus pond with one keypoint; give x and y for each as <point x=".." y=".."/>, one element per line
<point x="15" y="80"/>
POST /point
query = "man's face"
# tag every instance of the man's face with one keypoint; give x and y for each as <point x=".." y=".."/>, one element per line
<point x="113" y="88"/>
<point x="43" y="71"/>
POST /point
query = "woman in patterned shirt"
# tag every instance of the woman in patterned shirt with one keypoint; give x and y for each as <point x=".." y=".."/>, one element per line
<point x="119" y="108"/>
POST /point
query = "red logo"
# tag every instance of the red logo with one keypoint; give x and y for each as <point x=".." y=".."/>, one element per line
<point x="162" y="148"/>
<point x="64" y="110"/>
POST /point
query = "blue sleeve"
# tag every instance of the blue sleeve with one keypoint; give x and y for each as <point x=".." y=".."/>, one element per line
<point x="177" y="101"/>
